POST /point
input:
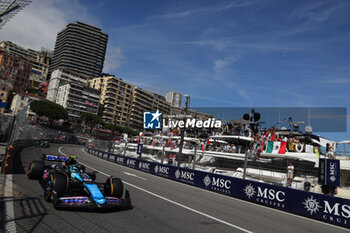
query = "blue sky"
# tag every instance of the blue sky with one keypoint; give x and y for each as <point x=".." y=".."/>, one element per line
<point x="222" y="53"/>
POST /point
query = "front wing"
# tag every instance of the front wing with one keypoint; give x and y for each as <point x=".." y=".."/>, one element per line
<point x="85" y="202"/>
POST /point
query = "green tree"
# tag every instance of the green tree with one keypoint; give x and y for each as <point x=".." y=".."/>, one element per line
<point x="120" y="129"/>
<point x="91" y="118"/>
<point x="49" y="109"/>
<point x="107" y="125"/>
<point x="127" y="130"/>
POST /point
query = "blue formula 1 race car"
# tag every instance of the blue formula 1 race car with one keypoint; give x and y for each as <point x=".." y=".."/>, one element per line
<point x="67" y="184"/>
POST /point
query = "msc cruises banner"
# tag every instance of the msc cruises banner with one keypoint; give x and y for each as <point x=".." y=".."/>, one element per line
<point x="329" y="172"/>
<point x="329" y="209"/>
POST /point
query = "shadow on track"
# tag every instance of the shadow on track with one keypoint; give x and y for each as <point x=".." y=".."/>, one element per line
<point x="30" y="212"/>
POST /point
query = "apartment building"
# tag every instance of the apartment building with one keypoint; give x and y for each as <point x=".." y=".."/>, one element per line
<point x="40" y="61"/>
<point x="61" y="77"/>
<point x="115" y="100"/>
<point x="6" y="87"/>
<point x="21" y="100"/>
<point x="80" y="47"/>
<point x="174" y="98"/>
<point x="124" y="103"/>
<point x="78" y="99"/>
<point x="146" y="101"/>
<point x="16" y="69"/>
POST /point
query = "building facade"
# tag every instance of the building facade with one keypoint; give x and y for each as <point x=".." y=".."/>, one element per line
<point x="124" y="103"/>
<point x="6" y="87"/>
<point x="80" y="47"/>
<point x="174" y="98"/>
<point x="115" y="100"/>
<point x="61" y="77"/>
<point x="146" y="101"/>
<point x="78" y="99"/>
<point x="21" y="100"/>
<point x="40" y="61"/>
<point x="16" y="69"/>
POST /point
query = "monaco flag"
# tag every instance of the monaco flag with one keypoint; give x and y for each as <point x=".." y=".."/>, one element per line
<point x="276" y="147"/>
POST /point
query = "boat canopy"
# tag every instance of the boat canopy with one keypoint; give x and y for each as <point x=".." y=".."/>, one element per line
<point x="344" y="142"/>
<point x="219" y="141"/>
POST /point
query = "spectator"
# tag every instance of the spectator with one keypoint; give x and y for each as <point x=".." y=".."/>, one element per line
<point x="329" y="151"/>
<point x="296" y="140"/>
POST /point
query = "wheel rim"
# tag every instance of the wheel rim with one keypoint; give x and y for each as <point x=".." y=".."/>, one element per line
<point x="30" y="168"/>
<point x="48" y="188"/>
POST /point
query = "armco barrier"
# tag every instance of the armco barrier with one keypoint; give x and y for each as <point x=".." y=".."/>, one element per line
<point x="17" y="147"/>
<point x="329" y="209"/>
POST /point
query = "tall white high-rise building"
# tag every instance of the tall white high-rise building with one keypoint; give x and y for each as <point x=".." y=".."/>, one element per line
<point x="174" y="98"/>
<point x="80" y="47"/>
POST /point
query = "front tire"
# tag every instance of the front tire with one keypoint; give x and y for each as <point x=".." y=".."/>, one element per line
<point x="36" y="169"/>
<point x="113" y="187"/>
<point x="55" y="184"/>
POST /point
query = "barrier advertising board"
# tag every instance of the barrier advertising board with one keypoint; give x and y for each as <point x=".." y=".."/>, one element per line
<point x="325" y="208"/>
<point x="329" y="172"/>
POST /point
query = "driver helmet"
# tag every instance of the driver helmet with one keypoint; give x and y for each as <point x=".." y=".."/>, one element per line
<point x="70" y="161"/>
<point x="74" y="169"/>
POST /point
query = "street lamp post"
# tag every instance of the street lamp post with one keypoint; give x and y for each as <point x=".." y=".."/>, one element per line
<point x="182" y="131"/>
<point x="114" y="124"/>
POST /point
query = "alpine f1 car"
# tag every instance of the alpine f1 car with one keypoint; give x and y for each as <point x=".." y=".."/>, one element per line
<point x="43" y="144"/>
<point x="67" y="184"/>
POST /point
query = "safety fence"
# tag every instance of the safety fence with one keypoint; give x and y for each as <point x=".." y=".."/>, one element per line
<point x="325" y="208"/>
<point x="100" y="144"/>
<point x="19" y="133"/>
<point x="5" y="126"/>
<point x="299" y="173"/>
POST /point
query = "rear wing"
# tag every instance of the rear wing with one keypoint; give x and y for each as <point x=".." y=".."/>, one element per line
<point x="56" y="158"/>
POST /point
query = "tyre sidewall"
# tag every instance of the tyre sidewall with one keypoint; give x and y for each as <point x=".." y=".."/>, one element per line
<point x="114" y="187"/>
<point x="36" y="169"/>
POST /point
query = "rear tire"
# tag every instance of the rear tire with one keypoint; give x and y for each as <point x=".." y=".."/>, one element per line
<point x="114" y="187"/>
<point x="36" y="169"/>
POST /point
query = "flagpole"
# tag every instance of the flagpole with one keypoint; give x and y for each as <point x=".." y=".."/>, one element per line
<point x="279" y="119"/>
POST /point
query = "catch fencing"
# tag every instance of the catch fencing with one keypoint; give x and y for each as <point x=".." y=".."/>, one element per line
<point x="20" y="131"/>
<point x="235" y="162"/>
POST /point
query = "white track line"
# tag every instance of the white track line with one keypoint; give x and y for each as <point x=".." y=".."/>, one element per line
<point x="131" y="174"/>
<point x="171" y="201"/>
<point x="10" y="224"/>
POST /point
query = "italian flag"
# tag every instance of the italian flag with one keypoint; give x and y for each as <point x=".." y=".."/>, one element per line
<point x="276" y="147"/>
